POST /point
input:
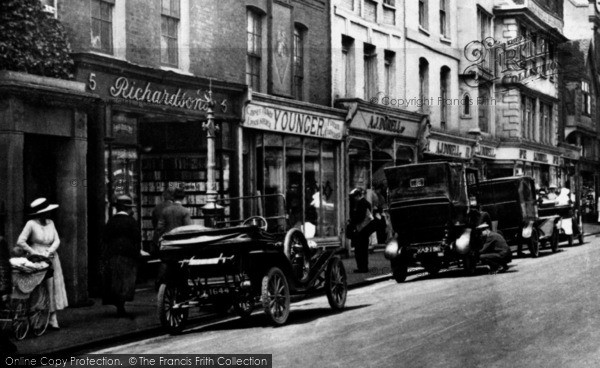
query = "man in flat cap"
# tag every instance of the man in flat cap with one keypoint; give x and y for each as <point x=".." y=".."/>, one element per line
<point x="495" y="252"/>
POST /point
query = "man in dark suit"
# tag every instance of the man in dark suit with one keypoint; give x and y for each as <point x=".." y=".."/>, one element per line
<point x="175" y="215"/>
<point x="361" y="219"/>
<point x="495" y="252"/>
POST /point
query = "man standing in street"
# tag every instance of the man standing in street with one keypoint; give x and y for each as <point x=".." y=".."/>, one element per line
<point x="495" y="252"/>
<point x="157" y="212"/>
<point x="362" y="220"/>
<point x="173" y="216"/>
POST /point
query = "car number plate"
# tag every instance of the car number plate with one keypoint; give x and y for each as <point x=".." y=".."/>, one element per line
<point x="218" y="291"/>
<point x="429" y="249"/>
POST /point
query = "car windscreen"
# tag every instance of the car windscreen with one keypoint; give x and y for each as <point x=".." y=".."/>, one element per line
<point x="417" y="181"/>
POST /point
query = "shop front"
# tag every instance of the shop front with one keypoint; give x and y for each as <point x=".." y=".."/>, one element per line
<point x="291" y="151"/>
<point x="148" y="135"/>
<point x="43" y="145"/>
<point x="378" y="137"/>
<point x="547" y="169"/>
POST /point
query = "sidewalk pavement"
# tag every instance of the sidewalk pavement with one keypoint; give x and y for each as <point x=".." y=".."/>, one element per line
<point x="95" y="326"/>
<point x="86" y="328"/>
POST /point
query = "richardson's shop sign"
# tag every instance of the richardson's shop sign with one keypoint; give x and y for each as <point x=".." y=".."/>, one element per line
<point x="290" y="121"/>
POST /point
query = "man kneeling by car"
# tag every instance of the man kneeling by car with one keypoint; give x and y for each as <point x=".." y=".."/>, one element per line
<point x="495" y="252"/>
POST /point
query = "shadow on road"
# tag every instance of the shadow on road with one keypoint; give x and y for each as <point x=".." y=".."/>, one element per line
<point x="259" y="319"/>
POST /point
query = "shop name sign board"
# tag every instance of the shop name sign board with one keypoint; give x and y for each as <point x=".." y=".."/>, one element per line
<point x="449" y="149"/>
<point x="512" y="153"/>
<point x="486" y="151"/>
<point x="128" y="90"/>
<point x="385" y="124"/>
<point x="293" y="122"/>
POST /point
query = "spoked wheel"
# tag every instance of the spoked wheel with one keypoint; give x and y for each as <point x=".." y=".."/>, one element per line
<point x="20" y="323"/>
<point x="275" y="296"/>
<point x="296" y="249"/>
<point x="40" y="306"/>
<point x="336" y="284"/>
<point x="399" y="269"/>
<point x="172" y="316"/>
<point x="534" y="244"/>
<point x="554" y="241"/>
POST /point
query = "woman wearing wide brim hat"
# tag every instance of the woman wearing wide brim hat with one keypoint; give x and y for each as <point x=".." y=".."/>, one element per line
<point x="39" y="236"/>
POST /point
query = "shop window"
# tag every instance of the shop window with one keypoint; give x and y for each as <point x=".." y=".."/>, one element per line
<point x="102" y="24"/>
<point x="370" y="72"/>
<point x="254" y="49"/>
<point x="528" y="117"/>
<point x="299" y="41"/>
<point x="359" y="161"/>
<point x="169" y="21"/>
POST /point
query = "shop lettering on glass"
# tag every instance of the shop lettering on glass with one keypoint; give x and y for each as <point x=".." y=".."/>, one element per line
<point x="519" y="60"/>
<point x="129" y="91"/>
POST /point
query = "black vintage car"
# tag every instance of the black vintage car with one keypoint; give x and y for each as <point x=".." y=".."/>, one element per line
<point x="429" y="206"/>
<point x="512" y="205"/>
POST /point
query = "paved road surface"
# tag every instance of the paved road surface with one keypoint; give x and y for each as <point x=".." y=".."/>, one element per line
<point x="544" y="312"/>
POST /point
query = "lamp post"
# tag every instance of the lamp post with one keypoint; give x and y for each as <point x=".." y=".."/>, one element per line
<point x="211" y="210"/>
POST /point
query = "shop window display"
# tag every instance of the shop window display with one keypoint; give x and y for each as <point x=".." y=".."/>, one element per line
<point x="306" y="168"/>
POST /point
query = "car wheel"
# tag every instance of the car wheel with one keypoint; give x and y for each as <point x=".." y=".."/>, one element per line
<point x="399" y="270"/>
<point x="554" y="240"/>
<point x="534" y="244"/>
<point x="296" y="248"/>
<point x="170" y="312"/>
<point x="336" y="284"/>
<point x="275" y="296"/>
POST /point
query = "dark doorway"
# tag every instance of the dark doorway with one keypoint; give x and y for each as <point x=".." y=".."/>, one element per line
<point x="40" y="168"/>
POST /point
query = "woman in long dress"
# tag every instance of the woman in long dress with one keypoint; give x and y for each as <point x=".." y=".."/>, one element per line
<point x="122" y="245"/>
<point x="39" y="236"/>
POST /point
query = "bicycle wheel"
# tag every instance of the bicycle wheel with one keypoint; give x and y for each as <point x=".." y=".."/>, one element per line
<point x="40" y="310"/>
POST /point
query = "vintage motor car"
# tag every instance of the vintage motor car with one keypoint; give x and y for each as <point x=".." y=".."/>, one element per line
<point x="429" y="206"/>
<point x="570" y="224"/>
<point x="512" y="205"/>
<point x="243" y="265"/>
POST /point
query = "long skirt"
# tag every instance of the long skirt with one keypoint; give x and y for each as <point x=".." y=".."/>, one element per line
<point x="119" y="277"/>
<point x="56" y="283"/>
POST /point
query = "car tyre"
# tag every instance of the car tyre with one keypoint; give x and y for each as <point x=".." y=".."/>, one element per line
<point x="168" y="296"/>
<point x="336" y="284"/>
<point x="554" y="241"/>
<point x="275" y="296"/>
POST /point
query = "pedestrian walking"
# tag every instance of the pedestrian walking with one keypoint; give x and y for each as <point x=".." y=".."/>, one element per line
<point x="361" y="219"/>
<point x="121" y="254"/>
<point x="495" y="252"/>
<point x="6" y="346"/>
<point x="39" y="236"/>
<point x="167" y="197"/>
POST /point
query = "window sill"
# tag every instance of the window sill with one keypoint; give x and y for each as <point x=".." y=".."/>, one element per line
<point x="112" y="56"/>
<point x="468" y="117"/>
<point x="445" y="40"/>
<point x="387" y="6"/>
<point x="423" y="30"/>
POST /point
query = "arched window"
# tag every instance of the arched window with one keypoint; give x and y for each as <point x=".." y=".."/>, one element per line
<point x="445" y="96"/>
<point x="466" y="105"/>
<point x="423" y="81"/>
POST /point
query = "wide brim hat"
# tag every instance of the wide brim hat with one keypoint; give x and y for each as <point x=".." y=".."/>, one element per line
<point x="483" y="226"/>
<point x="356" y="191"/>
<point x="124" y="201"/>
<point x="40" y="206"/>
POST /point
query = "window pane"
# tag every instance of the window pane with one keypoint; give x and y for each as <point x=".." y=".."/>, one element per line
<point x="175" y="8"/>
<point x="329" y="191"/>
<point x="173" y="27"/>
<point x="96" y="38"/>
<point x="164" y="52"/>
<point x="173" y="52"/>
<point x="312" y="183"/>
<point x="96" y="9"/>
<point x="273" y="180"/>
<point x="106" y="11"/>
<point x="359" y="158"/>
<point x="294" y="192"/>
<point x="166" y="7"/>
<point x="106" y="37"/>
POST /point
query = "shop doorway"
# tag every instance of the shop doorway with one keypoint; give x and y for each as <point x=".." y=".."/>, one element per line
<point x="40" y="153"/>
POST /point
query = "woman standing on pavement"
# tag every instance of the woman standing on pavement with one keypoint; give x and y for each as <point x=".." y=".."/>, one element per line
<point x="39" y="236"/>
<point x="121" y="253"/>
